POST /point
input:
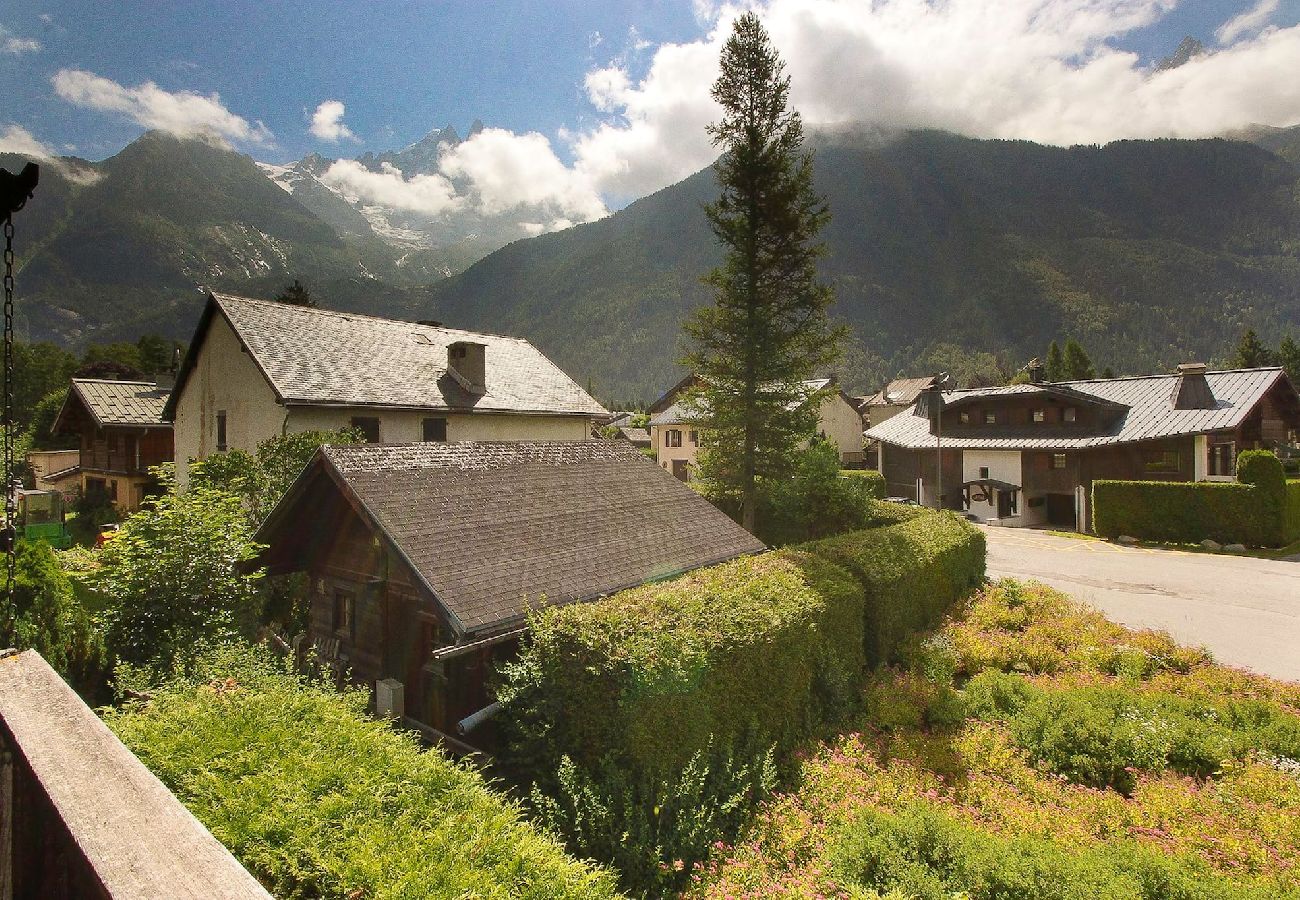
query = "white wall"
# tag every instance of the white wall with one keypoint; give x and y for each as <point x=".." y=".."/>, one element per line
<point x="665" y="454"/>
<point x="1003" y="465"/>
<point x="842" y="425"/>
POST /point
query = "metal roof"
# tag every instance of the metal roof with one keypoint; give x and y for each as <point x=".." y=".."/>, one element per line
<point x="1150" y="413"/>
<point x="678" y="414"/>
<point x="899" y="392"/>
<point x="321" y="357"/>
<point x="133" y="403"/>
<point x="492" y="528"/>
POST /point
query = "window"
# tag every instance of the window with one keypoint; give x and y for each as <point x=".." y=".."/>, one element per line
<point x="965" y="418"/>
<point x="345" y="614"/>
<point x="1038" y="415"/>
<point x="435" y="429"/>
<point x="221" y="429"/>
<point x="1058" y="460"/>
<point x="1223" y="459"/>
<point x="695" y="438"/>
<point x="672" y="438"/>
<point x="1069" y="414"/>
<point x="990" y="418"/>
<point x="984" y="472"/>
<point x="1162" y="461"/>
<point x="368" y="426"/>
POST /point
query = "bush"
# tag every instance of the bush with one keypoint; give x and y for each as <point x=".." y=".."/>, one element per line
<point x="911" y="573"/>
<point x="818" y="500"/>
<point x="924" y="854"/>
<point x="1256" y="510"/>
<point x="768" y="647"/>
<point x="655" y="830"/>
<point x="1291" y="524"/>
<point x="317" y="799"/>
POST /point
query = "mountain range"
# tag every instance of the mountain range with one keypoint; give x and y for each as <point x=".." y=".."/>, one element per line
<point x="1149" y="252"/>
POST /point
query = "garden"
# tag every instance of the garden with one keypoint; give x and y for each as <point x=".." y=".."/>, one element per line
<point x="1029" y="748"/>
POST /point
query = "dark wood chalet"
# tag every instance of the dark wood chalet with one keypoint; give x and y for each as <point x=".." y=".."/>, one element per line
<point x="1027" y="454"/>
<point x="122" y="436"/>
<point x="424" y="559"/>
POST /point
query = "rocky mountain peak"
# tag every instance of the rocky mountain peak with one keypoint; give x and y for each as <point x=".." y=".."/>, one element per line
<point x="1188" y="48"/>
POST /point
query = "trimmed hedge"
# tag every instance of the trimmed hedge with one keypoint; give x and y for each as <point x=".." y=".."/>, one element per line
<point x="1259" y="509"/>
<point x="1291" y="523"/>
<point x="757" y="650"/>
<point x="319" y="800"/>
<point x="910" y="573"/>
<point x="874" y="481"/>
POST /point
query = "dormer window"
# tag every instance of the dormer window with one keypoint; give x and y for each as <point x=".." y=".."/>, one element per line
<point x="1069" y="414"/>
<point x="990" y="418"/>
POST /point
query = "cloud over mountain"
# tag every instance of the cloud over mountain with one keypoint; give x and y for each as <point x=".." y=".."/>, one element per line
<point x="327" y="122"/>
<point x="182" y="113"/>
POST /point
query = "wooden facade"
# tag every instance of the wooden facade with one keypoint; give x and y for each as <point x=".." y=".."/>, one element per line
<point x="115" y="459"/>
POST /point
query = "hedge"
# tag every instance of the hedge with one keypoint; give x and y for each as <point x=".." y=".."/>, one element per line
<point x="910" y="573"/>
<point x="759" y="650"/>
<point x="317" y="799"/>
<point x="874" y="480"/>
<point x="1260" y="509"/>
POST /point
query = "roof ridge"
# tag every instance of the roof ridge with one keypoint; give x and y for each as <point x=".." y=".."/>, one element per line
<point x="344" y="314"/>
<point x="1169" y="375"/>
<point x="152" y="384"/>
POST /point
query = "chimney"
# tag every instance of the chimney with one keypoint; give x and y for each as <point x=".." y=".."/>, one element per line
<point x="1037" y="371"/>
<point x="1191" y="389"/>
<point x="467" y="363"/>
<point x="166" y="380"/>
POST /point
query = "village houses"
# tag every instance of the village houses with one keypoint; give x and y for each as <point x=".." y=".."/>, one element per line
<point x="1027" y="454"/>
<point x="121" y="434"/>
<point x="423" y="560"/>
<point x="675" y="431"/>
<point x="256" y="369"/>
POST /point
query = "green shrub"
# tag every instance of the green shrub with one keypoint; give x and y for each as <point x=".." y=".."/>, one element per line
<point x="317" y="799"/>
<point x="921" y="853"/>
<point x="911" y="573"/>
<point x="1256" y="510"/>
<point x="769" y="646"/>
<point x="1291" y="523"/>
<point x="817" y="500"/>
<point x="874" y="481"/>
<point x="994" y="696"/>
<point x="655" y="830"/>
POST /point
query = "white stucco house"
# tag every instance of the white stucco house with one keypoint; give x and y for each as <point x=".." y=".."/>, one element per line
<point x="258" y="368"/>
<point x="675" y="432"/>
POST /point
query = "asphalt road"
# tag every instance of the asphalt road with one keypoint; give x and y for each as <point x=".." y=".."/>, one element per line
<point x="1245" y="610"/>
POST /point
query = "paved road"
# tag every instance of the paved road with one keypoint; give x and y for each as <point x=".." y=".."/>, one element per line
<point x="1245" y="610"/>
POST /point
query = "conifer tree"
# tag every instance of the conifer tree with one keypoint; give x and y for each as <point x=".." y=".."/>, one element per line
<point x="1055" y="363"/>
<point x="1288" y="357"/>
<point x="296" y="295"/>
<point x="1251" y="352"/>
<point x="767" y="330"/>
<point x="1077" y="365"/>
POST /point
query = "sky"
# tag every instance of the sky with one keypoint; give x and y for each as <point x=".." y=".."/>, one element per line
<point x="589" y="104"/>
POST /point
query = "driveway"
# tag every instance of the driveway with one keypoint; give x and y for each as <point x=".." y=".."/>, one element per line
<point x="1245" y="610"/>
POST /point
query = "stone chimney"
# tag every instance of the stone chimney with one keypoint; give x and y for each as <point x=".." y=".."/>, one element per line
<point x="467" y="363"/>
<point x="1191" y="389"/>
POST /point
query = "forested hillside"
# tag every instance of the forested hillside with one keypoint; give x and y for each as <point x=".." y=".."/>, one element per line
<point x="1150" y="252"/>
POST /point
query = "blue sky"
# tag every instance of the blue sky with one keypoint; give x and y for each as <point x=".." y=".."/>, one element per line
<point x="592" y="103"/>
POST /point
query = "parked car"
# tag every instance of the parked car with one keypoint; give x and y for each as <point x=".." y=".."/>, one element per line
<point x="106" y="533"/>
<point x="906" y="501"/>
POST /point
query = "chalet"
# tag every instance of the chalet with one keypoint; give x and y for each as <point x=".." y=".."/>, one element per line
<point x="618" y="426"/>
<point x="895" y="397"/>
<point x="122" y="436"/>
<point x="675" y="432"/>
<point x="1027" y="454"/>
<point x="423" y="560"/>
<point x="256" y="369"/>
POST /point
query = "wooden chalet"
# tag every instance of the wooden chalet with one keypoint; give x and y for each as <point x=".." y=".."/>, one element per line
<point x="81" y="818"/>
<point x="1027" y="454"/>
<point x="122" y="436"/>
<point x="424" y="559"/>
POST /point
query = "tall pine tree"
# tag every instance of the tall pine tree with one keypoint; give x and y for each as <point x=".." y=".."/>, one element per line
<point x="1055" y="363"/>
<point x="767" y="330"/>
<point x="296" y="295"/>
<point x="1288" y="357"/>
<point x="1251" y="352"/>
<point x="1078" y="367"/>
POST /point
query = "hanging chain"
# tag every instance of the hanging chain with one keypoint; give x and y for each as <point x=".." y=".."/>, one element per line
<point x="11" y="533"/>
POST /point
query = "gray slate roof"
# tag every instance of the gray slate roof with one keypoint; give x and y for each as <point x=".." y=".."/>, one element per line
<point x="899" y="392"/>
<point x="1150" y="414"/>
<point x="319" y="357"/>
<point x="492" y="527"/>
<point x="121" y="402"/>
<point x="678" y="414"/>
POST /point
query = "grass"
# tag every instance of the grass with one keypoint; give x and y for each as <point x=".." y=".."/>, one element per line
<point x="1103" y="761"/>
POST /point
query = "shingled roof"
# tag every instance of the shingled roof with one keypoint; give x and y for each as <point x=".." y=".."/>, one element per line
<point x="491" y="528"/>
<point x="677" y="412"/>
<point x="899" y="392"/>
<point x="321" y="357"/>
<point x="132" y="403"/>
<point x="1143" y="411"/>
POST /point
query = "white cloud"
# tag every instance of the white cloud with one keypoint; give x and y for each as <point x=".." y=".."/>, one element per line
<point x="1043" y="70"/>
<point x="18" y="140"/>
<point x="1247" y="22"/>
<point x="507" y="171"/>
<point x="327" y="122"/>
<point x="183" y="113"/>
<point x="430" y="195"/>
<point x="16" y="46"/>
